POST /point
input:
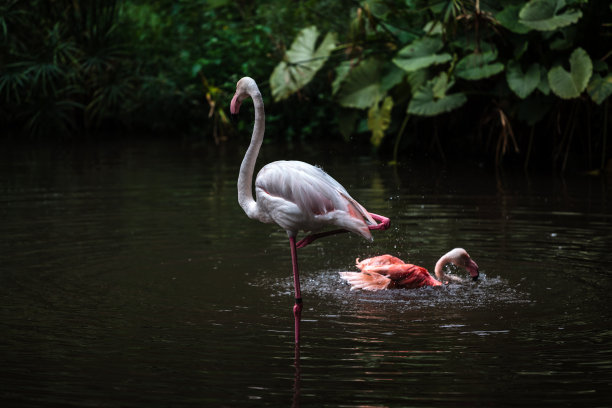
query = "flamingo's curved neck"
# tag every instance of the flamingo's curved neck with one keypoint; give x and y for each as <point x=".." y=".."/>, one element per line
<point x="439" y="269"/>
<point x="245" y="178"/>
<point x="446" y="259"/>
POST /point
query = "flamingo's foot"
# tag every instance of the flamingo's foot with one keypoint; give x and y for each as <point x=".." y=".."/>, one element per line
<point x="383" y="222"/>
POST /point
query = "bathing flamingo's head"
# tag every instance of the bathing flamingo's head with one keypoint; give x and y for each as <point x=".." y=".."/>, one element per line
<point x="460" y="258"/>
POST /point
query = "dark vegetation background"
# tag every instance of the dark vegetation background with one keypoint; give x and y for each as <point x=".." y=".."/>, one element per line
<point x="501" y="82"/>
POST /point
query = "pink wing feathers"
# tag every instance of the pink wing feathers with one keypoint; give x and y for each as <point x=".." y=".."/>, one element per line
<point x="366" y="280"/>
<point x="385" y="272"/>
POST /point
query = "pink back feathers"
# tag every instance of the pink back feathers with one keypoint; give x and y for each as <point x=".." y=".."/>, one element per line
<point x="386" y="272"/>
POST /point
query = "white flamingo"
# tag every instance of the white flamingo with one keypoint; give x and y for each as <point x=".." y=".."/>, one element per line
<point x="295" y="195"/>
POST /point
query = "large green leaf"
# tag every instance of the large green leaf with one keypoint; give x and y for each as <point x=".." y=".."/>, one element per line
<point x="434" y="27"/>
<point x="342" y="71"/>
<point x="564" y="38"/>
<point x="416" y="79"/>
<point x="509" y="18"/>
<point x="570" y="84"/>
<point x="379" y="119"/>
<point x="392" y="76"/>
<point x="478" y="66"/>
<point x="431" y="99"/>
<point x="301" y="62"/>
<point x="421" y="53"/>
<point x="544" y="15"/>
<point x="362" y="86"/>
<point x="600" y="88"/>
<point x="388" y="74"/>
<point x="544" y="86"/>
<point x="522" y="83"/>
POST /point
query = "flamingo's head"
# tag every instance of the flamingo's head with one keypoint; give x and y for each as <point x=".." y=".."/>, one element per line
<point x="461" y="258"/>
<point x="245" y="87"/>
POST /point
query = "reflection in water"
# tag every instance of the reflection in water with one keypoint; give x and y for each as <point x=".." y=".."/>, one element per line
<point x="130" y="277"/>
<point x="297" y="378"/>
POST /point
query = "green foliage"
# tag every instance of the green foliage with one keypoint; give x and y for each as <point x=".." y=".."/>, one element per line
<point x="478" y="66"/>
<point x="546" y="15"/>
<point x="466" y="71"/>
<point x="421" y="53"/>
<point x="301" y="62"/>
<point x="432" y="99"/>
<point x="508" y="17"/>
<point x="571" y="84"/>
<point x="379" y="118"/>
<point x="94" y="65"/>
<point x="522" y="83"/>
<point x="63" y="67"/>
<point x="600" y="88"/>
<point x="362" y="87"/>
<point x="451" y="52"/>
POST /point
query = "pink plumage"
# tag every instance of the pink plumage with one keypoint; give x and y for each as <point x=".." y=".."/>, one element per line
<point x="388" y="272"/>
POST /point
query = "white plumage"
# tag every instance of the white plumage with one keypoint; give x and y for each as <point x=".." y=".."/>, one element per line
<point x="295" y="195"/>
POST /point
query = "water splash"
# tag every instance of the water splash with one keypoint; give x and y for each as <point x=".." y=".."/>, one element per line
<point x="327" y="285"/>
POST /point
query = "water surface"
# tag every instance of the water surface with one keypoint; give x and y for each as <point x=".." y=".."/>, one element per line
<point x="129" y="276"/>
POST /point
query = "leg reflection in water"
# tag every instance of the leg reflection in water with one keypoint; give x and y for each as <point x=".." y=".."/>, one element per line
<point x="296" y="378"/>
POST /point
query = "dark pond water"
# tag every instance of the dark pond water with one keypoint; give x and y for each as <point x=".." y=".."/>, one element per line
<point x="129" y="276"/>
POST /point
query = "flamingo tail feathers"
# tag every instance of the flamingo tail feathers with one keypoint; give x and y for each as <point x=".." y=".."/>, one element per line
<point x="366" y="281"/>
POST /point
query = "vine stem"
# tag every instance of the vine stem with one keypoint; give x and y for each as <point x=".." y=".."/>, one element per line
<point x="398" y="138"/>
<point x="604" y="135"/>
<point x="529" y="147"/>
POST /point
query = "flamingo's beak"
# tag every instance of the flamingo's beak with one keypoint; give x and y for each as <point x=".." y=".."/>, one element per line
<point x="235" y="105"/>
<point x="472" y="268"/>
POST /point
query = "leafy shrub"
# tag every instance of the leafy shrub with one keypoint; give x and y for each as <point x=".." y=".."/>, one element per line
<point x="496" y="66"/>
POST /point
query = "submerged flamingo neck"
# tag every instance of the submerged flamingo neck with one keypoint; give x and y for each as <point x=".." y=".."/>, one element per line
<point x="245" y="177"/>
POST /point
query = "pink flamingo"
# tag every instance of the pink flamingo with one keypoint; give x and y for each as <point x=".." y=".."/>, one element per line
<point x="295" y="195"/>
<point x="387" y="272"/>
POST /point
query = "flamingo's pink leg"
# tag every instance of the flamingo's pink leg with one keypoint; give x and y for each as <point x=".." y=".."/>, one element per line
<point x="383" y="224"/>
<point x="309" y="238"/>
<point x="297" y="308"/>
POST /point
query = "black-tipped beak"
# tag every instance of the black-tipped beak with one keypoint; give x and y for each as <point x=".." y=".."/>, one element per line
<point x="472" y="267"/>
